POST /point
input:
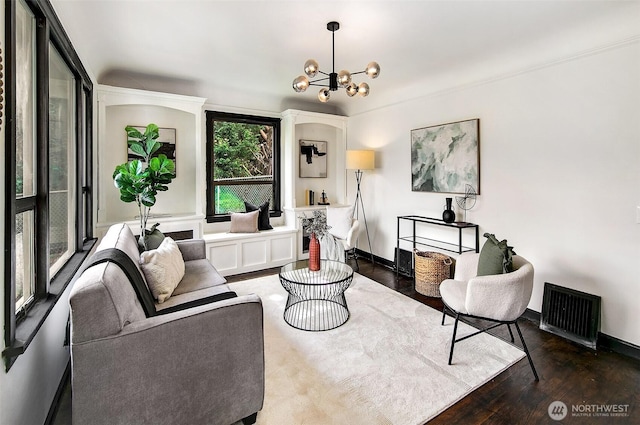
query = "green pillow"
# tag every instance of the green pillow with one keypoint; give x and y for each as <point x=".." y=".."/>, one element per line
<point x="495" y="257"/>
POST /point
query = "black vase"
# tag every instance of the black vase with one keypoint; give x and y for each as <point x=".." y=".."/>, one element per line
<point x="448" y="216"/>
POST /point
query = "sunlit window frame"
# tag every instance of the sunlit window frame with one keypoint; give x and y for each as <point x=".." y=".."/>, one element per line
<point x="22" y="324"/>
<point x="211" y="116"/>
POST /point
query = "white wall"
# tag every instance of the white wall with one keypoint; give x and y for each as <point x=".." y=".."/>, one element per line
<point x="114" y="152"/>
<point x="333" y="137"/>
<point x="560" y="173"/>
<point x="27" y="390"/>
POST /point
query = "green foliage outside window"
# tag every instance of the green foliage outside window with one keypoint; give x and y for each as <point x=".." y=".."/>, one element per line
<point x="242" y="150"/>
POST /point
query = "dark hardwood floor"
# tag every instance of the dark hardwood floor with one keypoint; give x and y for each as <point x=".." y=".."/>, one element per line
<point x="577" y="376"/>
<point x="568" y="372"/>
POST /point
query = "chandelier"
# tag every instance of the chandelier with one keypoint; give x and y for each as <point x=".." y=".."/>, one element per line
<point x="334" y="80"/>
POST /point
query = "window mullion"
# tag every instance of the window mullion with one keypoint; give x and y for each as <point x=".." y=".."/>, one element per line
<point x="79" y="143"/>
<point x="42" y="158"/>
<point x="10" y="177"/>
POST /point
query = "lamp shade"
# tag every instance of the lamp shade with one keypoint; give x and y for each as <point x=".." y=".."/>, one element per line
<point x="361" y="160"/>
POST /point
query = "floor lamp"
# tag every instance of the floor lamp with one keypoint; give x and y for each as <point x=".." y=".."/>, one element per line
<point x="361" y="160"/>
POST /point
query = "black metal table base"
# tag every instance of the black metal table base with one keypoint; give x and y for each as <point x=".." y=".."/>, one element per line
<point x="316" y="315"/>
<point x="316" y="300"/>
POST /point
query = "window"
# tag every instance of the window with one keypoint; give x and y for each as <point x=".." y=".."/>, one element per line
<point x="48" y="220"/>
<point x="25" y="160"/>
<point x="243" y="163"/>
<point x="61" y="161"/>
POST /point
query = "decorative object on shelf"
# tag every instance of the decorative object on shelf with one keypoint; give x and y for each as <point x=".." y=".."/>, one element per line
<point x="361" y="160"/>
<point x="309" y="196"/>
<point x="317" y="226"/>
<point x="323" y="199"/>
<point x="140" y="181"/>
<point x="467" y="201"/>
<point x="448" y="216"/>
<point x="432" y="268"/>
<point x="334" y="80"/>
<point x="445" y="158"/>
<point x="313" y="159"/>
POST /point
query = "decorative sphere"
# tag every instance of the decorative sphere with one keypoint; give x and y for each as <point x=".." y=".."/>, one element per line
<point x="300" y="84"/>
<point x="352" y="89"/>
<point x="344" y="78"/>
<point x="373" y="69"/>
<point x="324" y="95"/>
<point x="311" y="68"/>
<point x="363" y="89"/>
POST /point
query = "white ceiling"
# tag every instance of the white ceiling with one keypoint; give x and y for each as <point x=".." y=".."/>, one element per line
<point x="246" y="53"/>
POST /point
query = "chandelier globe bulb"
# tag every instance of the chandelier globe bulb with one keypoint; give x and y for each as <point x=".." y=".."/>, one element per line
<point x="323" y="95"/>
<point x="311" y="68"/>
<point x="373" y="70"/>
<point x="363" y="89"/>
<point x="300" y="84"/>
<point x="344" y="78"/>
<point x="352" y="89"/>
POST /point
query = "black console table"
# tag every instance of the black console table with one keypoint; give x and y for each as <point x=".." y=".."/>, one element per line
<point x="434" y="243"/>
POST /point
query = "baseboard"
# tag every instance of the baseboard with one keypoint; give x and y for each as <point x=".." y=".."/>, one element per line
<point x="605" y="341"/>
<point x="55" y="404"/>
<point x="378" y="260"/>
<point x="618" y="346"/>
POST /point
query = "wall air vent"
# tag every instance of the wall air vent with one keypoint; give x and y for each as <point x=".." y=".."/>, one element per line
<point x="571" y="314"/>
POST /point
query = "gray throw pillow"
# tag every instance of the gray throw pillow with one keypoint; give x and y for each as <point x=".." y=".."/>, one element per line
<point x="495" y="257"/>
<point x="244" y="222"/>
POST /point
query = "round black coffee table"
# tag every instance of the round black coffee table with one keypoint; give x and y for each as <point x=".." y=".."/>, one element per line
<point x="316" y="300"/>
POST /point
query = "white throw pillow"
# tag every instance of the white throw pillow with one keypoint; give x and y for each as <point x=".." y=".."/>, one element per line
<point x="244" y="222"/>
<point x="163" y="268"/>
<point x="340" y="220"/>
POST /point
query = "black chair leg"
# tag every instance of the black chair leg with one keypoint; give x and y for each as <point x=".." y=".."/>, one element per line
<point x="250" y="420"/>
<point x="510" y="332"/>
<point x="355" y="257"/>
<point x="351" y="253"/>
<point x="444" y="314"/>
<point x="526" y="350"/>
<point x="453" y="340"/>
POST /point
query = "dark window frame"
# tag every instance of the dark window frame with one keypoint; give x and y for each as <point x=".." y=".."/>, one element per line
<point x="21" y="329"/>
<point x="212" y="116"/>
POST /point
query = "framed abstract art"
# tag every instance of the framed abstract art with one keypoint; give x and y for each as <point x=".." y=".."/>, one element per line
<point x="446" y="157"/>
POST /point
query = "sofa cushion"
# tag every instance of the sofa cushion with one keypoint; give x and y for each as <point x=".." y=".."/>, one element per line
<point x="495" y="257"/>
<point x="198" y="275"/>
<point x="102" y="298"/>
<point x="263" y="216"/>
<point x="103" y="301"/>
<point x="120" y="236"/>
<point x="244" y="222"/>
<point x="164" y="269"/>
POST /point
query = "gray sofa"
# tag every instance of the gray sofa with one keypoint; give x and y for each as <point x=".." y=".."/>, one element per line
<point x="202" y="364"/>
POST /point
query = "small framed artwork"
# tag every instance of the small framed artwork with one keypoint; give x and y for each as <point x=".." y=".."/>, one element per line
<point x="313" y="159"/>
<point x="167" y="139"/>
<point x="446" y="157"/>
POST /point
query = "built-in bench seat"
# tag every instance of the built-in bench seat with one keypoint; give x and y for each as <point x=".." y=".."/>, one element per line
<point x="234" y="253"/>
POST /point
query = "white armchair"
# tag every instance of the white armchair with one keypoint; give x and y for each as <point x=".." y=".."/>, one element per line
<point x="349" y="243"/>
<point x="498" y="298"/>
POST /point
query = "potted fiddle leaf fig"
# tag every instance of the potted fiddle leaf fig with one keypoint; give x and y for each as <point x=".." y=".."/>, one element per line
<point x="140" y="180"/>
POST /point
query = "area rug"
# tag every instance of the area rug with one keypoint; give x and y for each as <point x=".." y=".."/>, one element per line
<point x="386" y="365"/>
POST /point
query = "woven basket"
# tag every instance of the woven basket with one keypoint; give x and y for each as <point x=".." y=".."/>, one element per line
<point x="431" y="268"/>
